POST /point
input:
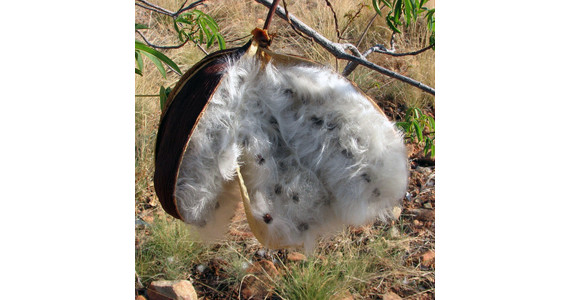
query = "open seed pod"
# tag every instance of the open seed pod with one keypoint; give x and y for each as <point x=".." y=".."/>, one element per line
<point x="305" y="150"/>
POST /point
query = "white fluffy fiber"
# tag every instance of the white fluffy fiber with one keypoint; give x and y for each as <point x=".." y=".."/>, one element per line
<point x="315" y="154"/>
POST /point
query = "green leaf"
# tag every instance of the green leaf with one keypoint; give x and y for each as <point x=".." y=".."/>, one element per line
<point x="397" y="11"/>
<point x="137" y="71"/>
<point x="408" y="11"/>
<point x="418" y="131"/>
<point x="391" y="25"/>
<point x="157" y="63"/>
<point x="159" y="55"/>
<point x="376" y="7"/>
<point x="221" y="41"/>
<point x="138" y="58"/>
<point x="140" y="26"/>
<point x="431" y="123"/>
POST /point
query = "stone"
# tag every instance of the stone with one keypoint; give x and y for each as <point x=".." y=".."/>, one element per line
<point x="296" y="256"/>
<point x="176" y="289"/>
<point x="263" y="267"/>
<point x="391" y="296"/>
<point x="428" y="258"/>
<point x="258" y="286"/>
<point x="394" y="232"/>
<point x="396" y="212"/>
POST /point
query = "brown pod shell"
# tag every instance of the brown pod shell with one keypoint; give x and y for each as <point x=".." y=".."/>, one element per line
<point x="185" y="105"/>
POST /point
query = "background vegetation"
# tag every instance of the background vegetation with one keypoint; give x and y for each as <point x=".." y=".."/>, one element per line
<point x="365" y="262"/>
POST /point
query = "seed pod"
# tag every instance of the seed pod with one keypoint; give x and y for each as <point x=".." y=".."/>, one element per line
<point x="315" y="152"/>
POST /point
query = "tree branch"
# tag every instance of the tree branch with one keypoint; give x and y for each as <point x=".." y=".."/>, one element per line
<point x="381" y="49"/>
<point x="158" y="9"/>
<point x="338" y="50"/>
<point x="161" y="47"/>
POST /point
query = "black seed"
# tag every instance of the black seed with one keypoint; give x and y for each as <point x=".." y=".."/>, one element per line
<point x="366" y="177"/>
<point x="260" y="159"/>
<point x="303" y="226"/>
<point x="331" y="126"/>
<point x="272" y="120"/>
<point x="347" y="153"/>
<point x="295" y="197"/>
<point x="217" y="205"/>
<point x="278" y="189"/>
<point x="316" y="121"/>
<point x="245" y="142"/>
<point x="376" y="192"/>
<point x="282" y="166"/>
<point x="288" y="91"/>
<point x="267" y="218"/>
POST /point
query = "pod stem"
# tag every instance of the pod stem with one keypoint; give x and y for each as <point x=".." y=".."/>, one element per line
<point x="270" y="14"/>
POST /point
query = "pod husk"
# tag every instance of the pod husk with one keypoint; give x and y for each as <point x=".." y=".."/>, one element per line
<point x="185" y="105"/>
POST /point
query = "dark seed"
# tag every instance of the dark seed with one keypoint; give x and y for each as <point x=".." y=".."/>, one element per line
<point x="278" y="189"/>
<point x="316" y="121"/>
<point x="347" y="153"/>
<point x="376" y="192"/>
<point x="288" y="91"/>
<point x="217" y="205"/>
<point x="272" y="120"/>
<point x="260" y="159"/>
<point x="303" y="226"/>
<point x="366" y="177"/>
<point x="267" y="218"/>
<point x="331" y="126"/>
<point x="295" y="197"/>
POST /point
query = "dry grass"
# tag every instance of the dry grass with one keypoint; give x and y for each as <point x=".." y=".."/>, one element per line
<point x="365" y="264"/>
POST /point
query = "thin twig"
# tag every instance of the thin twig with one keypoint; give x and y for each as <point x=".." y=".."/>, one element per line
<point x="338" y="50"/>
<point x="351" y="19"/>
<point x="167" y="12"/>
<point x="388" y="52"/>
<point x="366" y="29"/>
<point x="270" y="14"/>
<point x="161" y="47"/>
<point x="381" y="49"/>
<point x="291" y="24"/>
<point x="335" y="20"/>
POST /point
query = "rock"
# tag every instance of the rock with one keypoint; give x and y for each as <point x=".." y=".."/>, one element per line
<point x="423" y="214"/>
<point x="394" y="232"/>
<point x="296" y="256"/>
<point x="177" y="289"/>
<point x="428" y="258"/>
<point x="257" y="287"/>
<point x="263" y="267"/>
<point x="391" y="296"/>
<point x="396" y="212"/>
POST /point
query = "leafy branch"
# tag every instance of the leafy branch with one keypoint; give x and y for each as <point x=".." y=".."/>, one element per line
<point x="340" y="50"/>
<point x="420" y="127"/>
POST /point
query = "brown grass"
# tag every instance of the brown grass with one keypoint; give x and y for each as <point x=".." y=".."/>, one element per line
<point x="388" y="263"/>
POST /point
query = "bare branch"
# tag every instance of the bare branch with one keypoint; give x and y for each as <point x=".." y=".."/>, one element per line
<point x="366" y="29"/>
<point x="338" y="50"/>
<point x="167" y="12"/>
<point x="161" y="47"/>
<point x="379" y="48"/>
<point x="335" y="20"/>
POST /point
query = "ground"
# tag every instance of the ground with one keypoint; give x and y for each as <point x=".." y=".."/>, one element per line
<point x="405" y="266"/>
